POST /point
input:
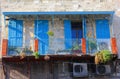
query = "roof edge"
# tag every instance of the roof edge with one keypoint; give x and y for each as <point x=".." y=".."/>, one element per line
<point x="59" y="13"/>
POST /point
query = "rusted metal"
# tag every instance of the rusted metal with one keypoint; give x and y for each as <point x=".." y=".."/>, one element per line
<point x="82" y="58"/>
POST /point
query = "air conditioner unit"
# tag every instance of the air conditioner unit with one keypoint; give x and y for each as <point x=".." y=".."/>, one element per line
<point x="103" y="69"/>
<point x="80" y="70"/>
<point x="104" y="44"/>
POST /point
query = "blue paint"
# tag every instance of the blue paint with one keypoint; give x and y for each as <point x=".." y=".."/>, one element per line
<point x="15" y="33"/>
<point x="85" y="31"/>
<point x="84" y="26"/>
<point x="58" y="13"/>
<point x="41" y="29"/>
<point x="80" y="33"/>
<point x="75" y="32"/>
<point x="67" y="33"/>
<point x="102" y="29"/>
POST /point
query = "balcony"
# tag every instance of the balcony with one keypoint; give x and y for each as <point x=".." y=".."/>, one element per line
<point x="62" y="47"/>
<point x="92" y="30"/>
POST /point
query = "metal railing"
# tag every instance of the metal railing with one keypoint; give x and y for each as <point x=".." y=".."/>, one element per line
<point x="62" y="46"/>
<point x="94" y="45"/>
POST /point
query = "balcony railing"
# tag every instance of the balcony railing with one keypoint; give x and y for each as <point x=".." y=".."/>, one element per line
<point x="51" y="46"/>
<point x="62" y="46"/>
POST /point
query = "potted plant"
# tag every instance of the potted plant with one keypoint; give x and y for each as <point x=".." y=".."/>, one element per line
<point x="22" y="55"/>
<point x="50" y="33"/>
<point x="28" y="51"/>
<point x="103" y="56"/>
<point x="76" y="49"/>
<point x="36" y="54"/>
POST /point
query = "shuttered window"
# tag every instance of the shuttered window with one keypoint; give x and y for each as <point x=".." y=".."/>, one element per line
<point x="41" y="29"/>
<point x="67" y="33"/>
<point x="102" y="29"/>
<point x="15" y="33"/>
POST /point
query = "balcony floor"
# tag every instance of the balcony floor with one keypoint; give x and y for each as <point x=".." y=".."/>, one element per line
<point x="54" y="58"/>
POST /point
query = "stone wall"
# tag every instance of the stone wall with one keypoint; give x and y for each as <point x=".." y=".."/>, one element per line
<point x="36" y="70"/>
<point x="47" y="70"/>
<point x="40" y="70"/>
<point x="56" y="5"/>
<point x="116" y="27"/>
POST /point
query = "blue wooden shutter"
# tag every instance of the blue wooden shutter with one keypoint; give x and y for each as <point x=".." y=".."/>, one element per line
<point x="12" y="33"/>
<point x="84" y="26"/>
<point x="15" y="33"/>
<point x="102" y="29"/>
<point x="41" y="29"/>
<point x="67" y="33"/>
<point x="19" y="33"/>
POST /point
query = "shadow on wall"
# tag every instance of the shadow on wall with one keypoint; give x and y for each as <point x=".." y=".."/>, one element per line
<point x="28" y="34"/>
<point x="116" y="30"/>
<point x="16" y="71"/>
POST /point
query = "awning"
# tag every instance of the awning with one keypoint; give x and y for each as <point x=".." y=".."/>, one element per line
<point x="59" y="13"/>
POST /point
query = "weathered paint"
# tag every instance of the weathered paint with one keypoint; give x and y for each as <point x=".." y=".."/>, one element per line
<point x="67" y="34"/>
<point x="102" y="29"/>
<point x="15" y="37"/>
<point x="41" y="29"/>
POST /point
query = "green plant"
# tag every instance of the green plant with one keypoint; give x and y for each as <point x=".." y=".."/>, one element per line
<point x="50" y="33"/>
<point x="27" y="51"/>
<point x="103" y="56"/>
<point x="36" y="54"/>
<point x="93" y="44"/>
<point x="76" y="47"/>
<point x="106" y="55"/>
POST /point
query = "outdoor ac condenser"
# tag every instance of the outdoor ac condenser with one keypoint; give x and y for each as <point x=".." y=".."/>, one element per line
<point x="80" y="70"/>
<point x="103" y="69"/>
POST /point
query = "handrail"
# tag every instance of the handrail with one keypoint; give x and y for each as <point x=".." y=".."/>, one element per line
<point x="57" y="46"/>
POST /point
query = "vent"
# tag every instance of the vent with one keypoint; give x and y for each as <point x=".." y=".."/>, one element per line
<point x="103" y="69"/>
<point x="80" y="70"/>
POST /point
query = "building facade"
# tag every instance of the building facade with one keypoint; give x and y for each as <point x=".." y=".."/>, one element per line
<point x="55" y="28"/>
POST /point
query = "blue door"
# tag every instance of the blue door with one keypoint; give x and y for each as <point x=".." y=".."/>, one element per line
<point x="102" y="29"/>
<point x="15" y="33"/>
<point x="41" y="29"/>
<point x="67" y="33"/>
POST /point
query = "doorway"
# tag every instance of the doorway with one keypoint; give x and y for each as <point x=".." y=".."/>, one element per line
<point x="73" y="32"/>
<point x="77" y="32"/>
